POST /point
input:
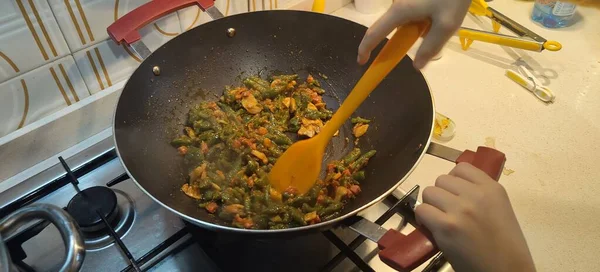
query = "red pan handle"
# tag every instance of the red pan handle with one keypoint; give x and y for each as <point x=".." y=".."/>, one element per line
<point x="125" y="29"/>
<point x="406" y="252"/>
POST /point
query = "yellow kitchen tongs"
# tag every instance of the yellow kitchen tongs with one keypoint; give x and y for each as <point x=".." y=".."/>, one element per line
<point x="526" y="39"/>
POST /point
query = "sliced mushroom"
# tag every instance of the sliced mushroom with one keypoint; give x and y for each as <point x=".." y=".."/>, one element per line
<point x="250" y="103"/>
<point x="191" y="191"/>
<point x="310" y="128"/>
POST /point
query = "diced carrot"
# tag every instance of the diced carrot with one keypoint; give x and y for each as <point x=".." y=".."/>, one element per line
<point x="346" y="172"/>
<point x="310" y="79"/>
<point x="320" y="198"/>
<point x="236" y="144"/>
<point x="246" y="222"/>
<point x="267" y="143"/>
<point x="212" y="105"/>
<point x="211" y="207"/>
<point x="203" y="147"/>
<point x="330" y="167"/>
<point x="262" y="131"/>
<point x="355" y="189"/>
<point x="291" y="190"/>
<point x="182" y="150"/>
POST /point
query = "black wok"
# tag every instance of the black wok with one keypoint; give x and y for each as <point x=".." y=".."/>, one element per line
<point x="196" y="65"/>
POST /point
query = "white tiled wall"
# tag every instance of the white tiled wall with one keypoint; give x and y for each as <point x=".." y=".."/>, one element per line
<point x="41" y="38"/>
<point x="33" y="95"/>
<point x="29" y="37"/>
<point x="104" y="64"/>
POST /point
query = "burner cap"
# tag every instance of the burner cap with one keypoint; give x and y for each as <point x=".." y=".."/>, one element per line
<point x="81" y="207"/>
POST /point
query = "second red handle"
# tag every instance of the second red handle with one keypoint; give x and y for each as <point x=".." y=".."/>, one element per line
<point x="406" y="252"/>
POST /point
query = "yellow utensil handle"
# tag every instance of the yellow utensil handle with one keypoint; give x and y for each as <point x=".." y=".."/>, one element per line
<point x="318" y="6"/>
<point x="479" y="8"/>
<point x="500" y="39"/>
<point x="393" y="51"/>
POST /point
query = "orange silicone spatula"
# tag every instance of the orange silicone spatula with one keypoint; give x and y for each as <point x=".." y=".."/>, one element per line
<point x="300" y="165"/>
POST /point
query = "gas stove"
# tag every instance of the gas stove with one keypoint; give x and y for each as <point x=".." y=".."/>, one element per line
<point x="124" y="230"/>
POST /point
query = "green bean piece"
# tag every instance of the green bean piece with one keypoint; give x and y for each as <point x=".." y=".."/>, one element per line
<point x="301" y="101"/>
<point x="279" y="138"/>
<point x="274" y="210"/>
<point x="356" y="120"/>
<point x="297" y="216"/>
<point x="294" y="124"/>
<point x="224" y="165"/>
<point x="307" y="208"/>
<point x="286" y="78"/>
<point x="190" y="132"/>
<point x="198" y="113"/>
<point x="362" y="161"/>
<point x="298" y="201"/>
<point x="225" y="215"/>
<point x="352" y="156"/>
<point x="333" y="208"/>
<point x="326" y="114"/>
<point x="360" y="175"/>
<point x="314" y="115"/>
<point x="181" y="141"/>
<point x="247" y="203"/>
<point x="260" y="221"/>
<point x="256" y="83"/>
<point x="316" y="83"/>
<point x="202" y="125"/>
<point x="345" y="180"/>
<point x="251" y="167"/>
<point x="193" y="157"/>
<point x="278" y="226"/>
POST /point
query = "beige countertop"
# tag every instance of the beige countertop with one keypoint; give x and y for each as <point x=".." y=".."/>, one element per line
<point x="553" y="149"/>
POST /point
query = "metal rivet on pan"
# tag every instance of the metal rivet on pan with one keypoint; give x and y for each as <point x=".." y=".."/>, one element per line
<point x="230" y="32"/>
<point x="156" y="70"/>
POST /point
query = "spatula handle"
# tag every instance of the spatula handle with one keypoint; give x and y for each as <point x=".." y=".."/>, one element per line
<point x="406" y="252"/>
<point x="389" y="56"/>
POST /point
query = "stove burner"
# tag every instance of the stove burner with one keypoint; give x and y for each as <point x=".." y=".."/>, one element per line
<point x="121" y="224"/>
<point x="82" y="207"/>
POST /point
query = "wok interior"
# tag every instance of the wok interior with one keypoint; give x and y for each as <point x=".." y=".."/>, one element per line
<point x="196" y="66"/>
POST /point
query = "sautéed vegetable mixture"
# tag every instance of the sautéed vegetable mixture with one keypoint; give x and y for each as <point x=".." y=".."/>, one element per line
<point x="232" y="144"/>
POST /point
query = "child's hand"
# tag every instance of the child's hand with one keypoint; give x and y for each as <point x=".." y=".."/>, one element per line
<point x="472" y="222"/>
<point x="446" y="17"/>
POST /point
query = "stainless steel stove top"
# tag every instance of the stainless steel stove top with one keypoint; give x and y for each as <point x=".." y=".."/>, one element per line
<point x="142" y="224"/>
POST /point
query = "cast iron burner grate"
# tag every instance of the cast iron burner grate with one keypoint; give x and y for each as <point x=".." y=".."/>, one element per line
<point x="96" y="208"/>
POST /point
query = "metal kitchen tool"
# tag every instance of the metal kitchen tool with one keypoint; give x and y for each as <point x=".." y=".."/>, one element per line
<point x="526" y="39"/>
<point x="69" y="231"/>
<point x="526" y="79"/>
